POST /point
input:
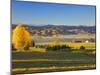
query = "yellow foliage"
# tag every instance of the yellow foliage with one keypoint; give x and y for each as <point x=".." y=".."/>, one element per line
<point x="21" y="37"/>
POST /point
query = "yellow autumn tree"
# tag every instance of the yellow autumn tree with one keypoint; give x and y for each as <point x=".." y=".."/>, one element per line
<point x="21" y="38"/>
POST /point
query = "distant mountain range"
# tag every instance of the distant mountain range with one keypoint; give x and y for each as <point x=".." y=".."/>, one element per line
<point x="49" y="30"/>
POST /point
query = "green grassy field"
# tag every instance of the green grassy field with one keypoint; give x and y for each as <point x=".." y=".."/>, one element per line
<point x="27" y="62"/>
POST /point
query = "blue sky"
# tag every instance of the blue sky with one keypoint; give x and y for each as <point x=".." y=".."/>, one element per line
<point x="51" y="13"/>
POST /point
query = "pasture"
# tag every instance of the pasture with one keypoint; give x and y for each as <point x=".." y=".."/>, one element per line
<point x="38" y="59"/>
<point x="31" y="61"/>
<point x="73" y="45"/>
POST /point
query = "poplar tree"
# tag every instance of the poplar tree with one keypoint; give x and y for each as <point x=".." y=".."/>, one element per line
<point x="21" y="38"/>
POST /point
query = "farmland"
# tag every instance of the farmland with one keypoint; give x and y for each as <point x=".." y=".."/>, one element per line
<point x="74" y="45"/>
<point x="46" y="53"/>
<point x="31" y="61"/>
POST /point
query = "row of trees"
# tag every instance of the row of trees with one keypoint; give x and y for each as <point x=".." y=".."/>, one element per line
<point x="58" y="47"/>
<point x="61" y="48"/>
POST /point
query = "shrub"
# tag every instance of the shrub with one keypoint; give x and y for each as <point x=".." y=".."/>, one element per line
<point x="12" y="47"/>
<point x="33" y="43"/>
<point x="82" y="47"/>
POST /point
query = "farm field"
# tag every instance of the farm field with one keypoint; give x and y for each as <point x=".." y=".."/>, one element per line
<point x="27" y="62"/>
<point x="73" y="45"/>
